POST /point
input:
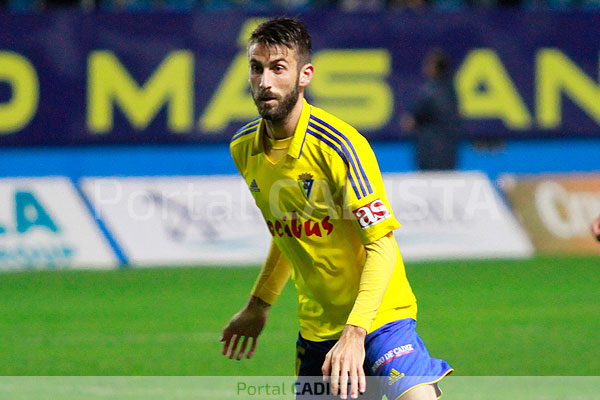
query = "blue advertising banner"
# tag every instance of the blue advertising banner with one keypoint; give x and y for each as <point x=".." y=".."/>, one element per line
<point x="74" y="78"/>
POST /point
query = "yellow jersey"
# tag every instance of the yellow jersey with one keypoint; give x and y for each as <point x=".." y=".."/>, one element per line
<point x="322" y="204"/>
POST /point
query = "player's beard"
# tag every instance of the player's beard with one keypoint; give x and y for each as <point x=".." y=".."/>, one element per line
<point x="276" y="113"/>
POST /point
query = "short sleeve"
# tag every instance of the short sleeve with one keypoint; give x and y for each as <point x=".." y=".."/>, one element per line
<point x="364" y="198"/>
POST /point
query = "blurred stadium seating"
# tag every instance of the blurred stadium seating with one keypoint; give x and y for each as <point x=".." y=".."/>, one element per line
<point x="297" y="5"/>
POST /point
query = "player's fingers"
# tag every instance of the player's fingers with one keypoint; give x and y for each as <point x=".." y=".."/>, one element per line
<point x="344" y="372"/>
<point x="326" y="367"/>
<point x="335" y="375"/>
<point x="354" y="384"/>
<point x="362" y="380"/>
<point x="240" y="353"/>
<point x="227" y="339"/>
<point x="353" y="390"/>
<point x="235" y="340"/>
<point x="252" y="348"/>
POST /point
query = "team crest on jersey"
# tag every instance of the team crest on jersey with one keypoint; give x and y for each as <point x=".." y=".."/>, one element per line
<point x="306" y="181"/>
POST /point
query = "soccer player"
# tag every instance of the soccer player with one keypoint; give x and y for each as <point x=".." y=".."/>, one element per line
<point x="319" y="188"/>
<point x="596" y="228"/>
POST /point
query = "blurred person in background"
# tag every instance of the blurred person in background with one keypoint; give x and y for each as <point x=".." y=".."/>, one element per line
<point x="413" y="5"/>
<point x="596" y="228"/>
<point x="435" y="120"/>
<point x="361" y="5"/>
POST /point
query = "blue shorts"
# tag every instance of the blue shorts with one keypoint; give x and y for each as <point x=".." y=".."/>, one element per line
<point x="395" y="355"/>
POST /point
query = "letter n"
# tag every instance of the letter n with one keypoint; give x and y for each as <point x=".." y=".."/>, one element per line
<point x="557" y="75"/>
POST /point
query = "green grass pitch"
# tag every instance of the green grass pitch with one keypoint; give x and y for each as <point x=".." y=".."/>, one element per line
<point x="534" y="317"/>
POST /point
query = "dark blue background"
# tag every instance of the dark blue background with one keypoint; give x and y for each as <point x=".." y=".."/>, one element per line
<point x="58" y="45"/>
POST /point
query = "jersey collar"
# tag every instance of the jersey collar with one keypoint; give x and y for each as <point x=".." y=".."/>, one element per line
<point x="297" y="144"/>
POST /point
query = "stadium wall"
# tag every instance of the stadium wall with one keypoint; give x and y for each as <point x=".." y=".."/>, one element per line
<point x="101" y="78"/>
<point x="75" y="104"/>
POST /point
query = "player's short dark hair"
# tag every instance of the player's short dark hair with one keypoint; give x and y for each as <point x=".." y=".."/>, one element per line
<point x="288" y="32"/>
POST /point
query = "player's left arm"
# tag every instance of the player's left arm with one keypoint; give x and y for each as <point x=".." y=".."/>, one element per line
<point x="346" y="358"/>
<point x="367" y="206"/>
<point x="377" y="272"/>
<point x="248" y="324"/>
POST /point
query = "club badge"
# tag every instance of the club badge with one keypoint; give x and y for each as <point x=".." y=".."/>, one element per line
<point x="306" y="181"/>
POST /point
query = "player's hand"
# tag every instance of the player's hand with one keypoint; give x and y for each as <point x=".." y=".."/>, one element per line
<point x="345" y="361"/>
<point x="596" y="228"/>
<point x="246" y="325"/>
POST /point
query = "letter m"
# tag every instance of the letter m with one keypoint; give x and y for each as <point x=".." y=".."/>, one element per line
<point x="109" y="83"/>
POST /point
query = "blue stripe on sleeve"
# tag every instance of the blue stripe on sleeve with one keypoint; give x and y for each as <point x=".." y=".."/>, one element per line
<point x="239" y="135"/>
<point x="344" y="149"/>
<point x="341" y="154"/>
<point x="244" y="130"/>
<point x="362" y="171"/>
<point x="249" y="124"/>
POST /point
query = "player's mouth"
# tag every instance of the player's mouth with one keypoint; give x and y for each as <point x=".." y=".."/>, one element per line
<point x="268" y="100"/>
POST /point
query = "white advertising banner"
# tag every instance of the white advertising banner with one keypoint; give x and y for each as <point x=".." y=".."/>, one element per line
<point x="446" y="215"/>
<point x="193" y="220"/>
<point x="44" y="223"/>
<point x="212" y="220"/>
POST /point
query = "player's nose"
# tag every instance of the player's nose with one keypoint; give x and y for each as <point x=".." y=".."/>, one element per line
<point x="265" y="80"/>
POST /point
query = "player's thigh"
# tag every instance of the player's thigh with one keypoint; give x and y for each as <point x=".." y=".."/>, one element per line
<point x="423" y="392"/>
<point x="310" y="357"/>
<point x="398" y="358"/>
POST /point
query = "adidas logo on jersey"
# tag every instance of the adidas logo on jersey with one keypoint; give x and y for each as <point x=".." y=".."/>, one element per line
<point x="395" y="376"/>
<point x="254" y="186"/>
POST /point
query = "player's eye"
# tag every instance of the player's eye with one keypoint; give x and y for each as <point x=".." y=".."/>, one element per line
<point x="256" y="69"/>
<point x="278" y="68"/>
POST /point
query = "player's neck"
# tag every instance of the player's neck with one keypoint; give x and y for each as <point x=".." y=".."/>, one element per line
<point x="287" y="127"/>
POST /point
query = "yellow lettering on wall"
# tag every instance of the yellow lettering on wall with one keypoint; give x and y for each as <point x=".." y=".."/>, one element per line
<point x="351" y="84"/>
<point x="557" y="74"/>
<point x="21" y="76"/>
<point x="109" y="83"/>
<point x="232" y="101"/>
<point x="485" y="90"/>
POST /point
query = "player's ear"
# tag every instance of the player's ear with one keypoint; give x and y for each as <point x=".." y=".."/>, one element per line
<point x="306" y="74"/>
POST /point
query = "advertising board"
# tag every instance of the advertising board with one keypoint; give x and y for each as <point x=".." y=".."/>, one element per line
<point x="163" y="221"/>
<point x="44" y="223"/>
<point x="447" y="215"/>
<point x="557" y="210"/>
<point x="212" y="220"/>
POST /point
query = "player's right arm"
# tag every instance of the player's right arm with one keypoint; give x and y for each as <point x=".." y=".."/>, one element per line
<point x="246" y="325"/>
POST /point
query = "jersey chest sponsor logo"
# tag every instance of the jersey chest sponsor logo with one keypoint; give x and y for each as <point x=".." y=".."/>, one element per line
<point x="297" y="228"/>
<point x="372" y="214"/>
<point x="390" y="355"/>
